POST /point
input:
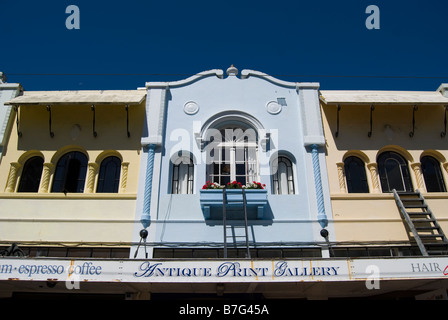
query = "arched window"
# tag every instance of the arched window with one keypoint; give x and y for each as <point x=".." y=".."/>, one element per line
<point x="282" y="176"/>
<point x="70" y="173"/>
<point x="355" y="175"/>
<point x="31" y="174"/>
<point x="109" y="175"/>
<point x="232" y="155"/>
<point x="394" y="172"/>
<point x="432" y="174"/>
<point x="182" y="176"/>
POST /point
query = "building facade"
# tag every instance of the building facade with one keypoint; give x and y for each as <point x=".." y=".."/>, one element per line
<point x="139" y="193"/>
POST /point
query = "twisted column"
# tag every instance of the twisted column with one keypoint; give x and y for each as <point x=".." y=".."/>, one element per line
<point x="341" y="177"/>
<point x="417" y="167"/>
<point x="145" y="218"/>
<point x="124" y="176"/>
<point x="93" y="168"/>
<point x="12" y="177"/>
<point x="46" y="174"/>
<point x="373" y="168"/>
<point x="321" y="215"/>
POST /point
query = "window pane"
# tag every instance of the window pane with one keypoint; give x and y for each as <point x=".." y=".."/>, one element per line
<point x="432" y="174"/>
<point x="394" y="172"/>
<point x="31" y="174"/>
<point x="282" y="176"/>
<point x="109" y="175"/>
<point x="70" y="173"/>
<point x="183" y="175"/>
<point x="355" y="174"/>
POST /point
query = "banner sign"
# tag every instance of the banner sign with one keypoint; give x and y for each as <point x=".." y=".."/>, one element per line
<point x="99" y="270"/>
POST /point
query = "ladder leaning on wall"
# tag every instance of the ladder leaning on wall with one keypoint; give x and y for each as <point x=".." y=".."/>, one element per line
<point x="224" y="221"/>
<point x="425" y="229"/>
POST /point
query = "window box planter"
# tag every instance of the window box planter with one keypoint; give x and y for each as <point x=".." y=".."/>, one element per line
<point x="212" y="203"/>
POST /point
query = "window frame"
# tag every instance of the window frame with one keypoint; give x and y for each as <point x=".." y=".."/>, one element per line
<point x="25" y="176"/>
<point x="438" y="172"/>
<point x="403" y="166"/>
<point x="101" y="186"/>
<point x="225" y="153"/>
<point x="176" y="187"/>
<point x="69" y="158"/>
<point x="349" y="178"/>
<point x="276" y="180"/>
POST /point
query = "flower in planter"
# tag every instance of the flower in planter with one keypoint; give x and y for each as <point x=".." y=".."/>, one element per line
<point x="211" y="185"/>
<point x="234" y="185"/>
<point x="255" y="185"/>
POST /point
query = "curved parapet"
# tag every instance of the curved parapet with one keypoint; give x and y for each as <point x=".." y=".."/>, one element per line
<point x="201" y="75"/>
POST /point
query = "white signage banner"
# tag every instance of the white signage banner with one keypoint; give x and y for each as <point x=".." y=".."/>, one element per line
<point x="221" y="270"/>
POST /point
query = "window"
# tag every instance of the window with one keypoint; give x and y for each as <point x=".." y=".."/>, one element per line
<point x="70" y="173"/>
<point x="234" y="157"/>
<point x="182" y="176"/>
<point x="109" y="175"/>
<point x="394" y="172"/>
<point x="355" y="175"/>
<point x="432" y="174"/>
<point x="282" y="176"/>
<point x="31" y="174"/>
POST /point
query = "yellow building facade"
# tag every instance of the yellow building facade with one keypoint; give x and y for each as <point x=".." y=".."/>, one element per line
<point x="370" y="131"/>
<point x="94" y="133"/>
<point x="82" y="174"/>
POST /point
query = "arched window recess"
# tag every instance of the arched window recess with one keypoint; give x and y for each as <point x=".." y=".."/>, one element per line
<point x="432" y="174"/>
<point x="182" y="174"/>
<point x="394" y="172"/>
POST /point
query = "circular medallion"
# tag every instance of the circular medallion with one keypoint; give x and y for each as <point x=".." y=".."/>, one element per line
<point x="191" y="107"/>
<point x="273" y="107"/>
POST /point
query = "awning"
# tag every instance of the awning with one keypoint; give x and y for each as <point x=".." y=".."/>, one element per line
<point x="80" y="97"/>
<point x="382" y="97"/>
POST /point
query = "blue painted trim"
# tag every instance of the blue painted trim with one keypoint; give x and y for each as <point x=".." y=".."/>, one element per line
<point x="146" y="218"/>
<point x="321" y="215"/>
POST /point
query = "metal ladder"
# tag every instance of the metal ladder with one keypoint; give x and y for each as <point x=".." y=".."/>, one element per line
<point x="427" y="232"/>
<point x="234" y="236"/>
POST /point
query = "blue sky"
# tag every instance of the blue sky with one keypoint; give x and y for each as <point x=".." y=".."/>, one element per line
<point x="123" y="44"/>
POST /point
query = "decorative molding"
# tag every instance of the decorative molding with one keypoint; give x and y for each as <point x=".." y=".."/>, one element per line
<point x="124" y="176"/>
<point x="191" y="108"/>
<point x="341" y="177"/>
<point x="201" y="75"/>
<point x="273" y="107"/>
<point x="417" y="168"/>
<point x="12" y="177"/>
<point x="321" y="215"/>
<point x="92" y="171"/>
<point x="146" y="217"/>
<point x="373" y="169"/>
<point x="46" y="174"/>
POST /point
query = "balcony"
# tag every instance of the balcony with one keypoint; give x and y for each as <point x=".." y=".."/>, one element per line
<point x="212" y="203"/>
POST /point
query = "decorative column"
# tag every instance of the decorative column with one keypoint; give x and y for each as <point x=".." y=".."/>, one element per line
<point x="417" y="167"/>
<point x="321" y="215"/>
<point x="373" y="168"/>
<point x="124" y="176"/>
<point x="146" y="218"/>
<point x="12" y="177"/>
<point x="45" y="180"/>
<point x="90" y="183"/>
<point x="341" y="177"/>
